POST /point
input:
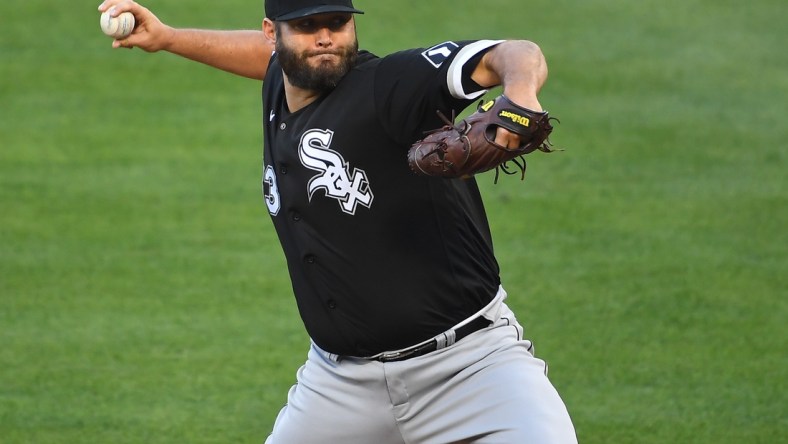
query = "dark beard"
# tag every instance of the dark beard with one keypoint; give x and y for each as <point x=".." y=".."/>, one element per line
<point x="322" y="79"/>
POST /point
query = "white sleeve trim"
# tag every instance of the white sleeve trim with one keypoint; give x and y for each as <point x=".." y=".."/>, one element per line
<point x="454" y="75"/>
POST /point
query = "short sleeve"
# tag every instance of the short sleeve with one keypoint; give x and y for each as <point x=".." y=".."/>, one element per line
<point x="411" y="86"/>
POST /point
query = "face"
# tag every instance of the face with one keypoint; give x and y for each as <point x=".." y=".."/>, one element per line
<point x="317" y="51"/>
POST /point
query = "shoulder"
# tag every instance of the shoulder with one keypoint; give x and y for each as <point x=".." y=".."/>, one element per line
<point x="448" y="64"/>
<point x="437" y="55"/>
<point x="364" y="57"/>
<point x="274" y="69"/>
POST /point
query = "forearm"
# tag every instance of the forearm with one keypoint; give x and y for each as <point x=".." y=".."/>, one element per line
<point x="519" y="66"/>
<point x="245" y="53"/>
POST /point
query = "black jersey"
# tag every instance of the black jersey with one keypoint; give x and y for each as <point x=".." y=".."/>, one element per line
<point x="379" y="257"/>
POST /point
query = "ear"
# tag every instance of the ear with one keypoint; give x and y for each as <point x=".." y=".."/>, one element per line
<point x="269" y="30"/>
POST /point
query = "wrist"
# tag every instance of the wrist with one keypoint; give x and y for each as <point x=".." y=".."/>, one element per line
<point x="169" y="38"/>
<point x="524" y="99"/>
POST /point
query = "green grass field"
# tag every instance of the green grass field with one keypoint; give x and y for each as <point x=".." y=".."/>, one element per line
<point x="144" y="297"/>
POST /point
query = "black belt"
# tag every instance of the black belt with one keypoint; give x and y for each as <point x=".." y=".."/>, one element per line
<point x="471" y="327"/>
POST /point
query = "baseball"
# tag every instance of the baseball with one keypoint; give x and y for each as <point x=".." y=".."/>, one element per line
<point x="117" y="27"/>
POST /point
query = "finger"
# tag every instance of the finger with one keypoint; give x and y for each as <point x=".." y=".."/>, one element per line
<point x="115" y="7"/>
<point x="122" y="43"/>
<point x="507" y="138"/>
<point x="107" y="4"/>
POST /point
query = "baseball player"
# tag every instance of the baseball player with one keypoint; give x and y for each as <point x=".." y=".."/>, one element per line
<point x="393" y="272"/>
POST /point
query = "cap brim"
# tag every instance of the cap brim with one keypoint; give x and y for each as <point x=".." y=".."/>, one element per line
<point x="316" y="10"/>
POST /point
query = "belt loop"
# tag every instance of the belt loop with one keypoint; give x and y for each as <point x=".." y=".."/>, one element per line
<point x="330" y="356"/>
<point x="481" y="319"/>
<point x="446" y="339"/>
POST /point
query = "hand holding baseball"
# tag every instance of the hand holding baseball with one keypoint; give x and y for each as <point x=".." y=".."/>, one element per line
<point x="118" y="27"/>
<point x="132" y="25"/>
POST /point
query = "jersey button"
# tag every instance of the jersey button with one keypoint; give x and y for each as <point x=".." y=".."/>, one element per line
<point x="282" y="126"/>
<point x="331" y="304"/>
<point x="296" y="216"/>
<point x="283" y="169"/>
<point x="310" y="259"/>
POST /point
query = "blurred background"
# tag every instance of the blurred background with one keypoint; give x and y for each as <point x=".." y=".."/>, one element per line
<point x="144" y="296"/>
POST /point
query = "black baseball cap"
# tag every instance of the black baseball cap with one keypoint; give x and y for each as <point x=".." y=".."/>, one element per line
<point x="283" y="10"/>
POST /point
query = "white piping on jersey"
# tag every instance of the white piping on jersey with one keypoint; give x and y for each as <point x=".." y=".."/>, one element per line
<point x="454" y="76"/>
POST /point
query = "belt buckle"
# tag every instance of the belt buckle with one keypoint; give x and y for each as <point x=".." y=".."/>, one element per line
<point x="401" y="355"/>
<point x="408" y="353"/>
<point x="392" y="356"/>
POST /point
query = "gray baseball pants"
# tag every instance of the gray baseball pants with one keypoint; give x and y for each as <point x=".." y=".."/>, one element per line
<point x="487" y="388"/>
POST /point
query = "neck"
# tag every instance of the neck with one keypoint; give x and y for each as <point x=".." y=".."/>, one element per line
<point x="298" y="98"/>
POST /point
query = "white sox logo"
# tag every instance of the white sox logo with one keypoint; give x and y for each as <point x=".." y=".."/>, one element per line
<point x="335" y="176"/>
<point x="439" y="53"/>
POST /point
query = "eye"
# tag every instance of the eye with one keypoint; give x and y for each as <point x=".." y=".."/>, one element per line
<point x="305" y="25"/>
<point x="339" y="22"/>
<point x="309" y="25"/>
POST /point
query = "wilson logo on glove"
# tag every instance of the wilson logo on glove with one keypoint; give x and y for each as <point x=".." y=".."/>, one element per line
<point x="468" y="147"/>
<point x="516" y="118"/>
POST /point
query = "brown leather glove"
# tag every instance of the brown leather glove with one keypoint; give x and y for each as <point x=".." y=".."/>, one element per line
<point x="468" y="147"/>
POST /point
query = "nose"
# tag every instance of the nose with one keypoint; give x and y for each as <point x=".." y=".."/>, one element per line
<point x="323" y="37"/>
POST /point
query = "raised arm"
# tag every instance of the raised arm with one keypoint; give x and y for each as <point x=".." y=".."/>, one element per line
<point x="520" y="67"/>
<point x="242" y="52"/>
